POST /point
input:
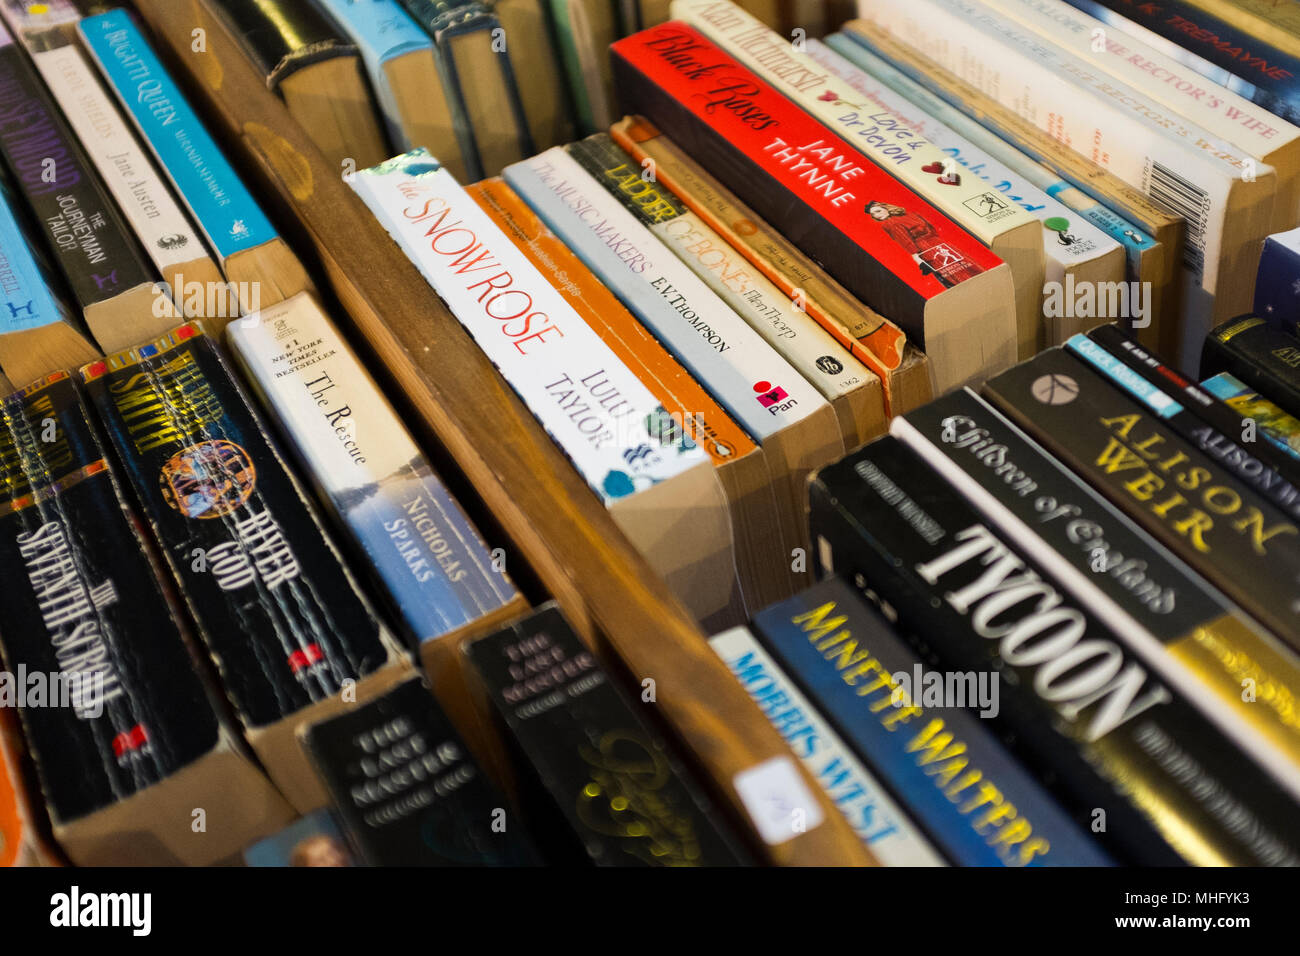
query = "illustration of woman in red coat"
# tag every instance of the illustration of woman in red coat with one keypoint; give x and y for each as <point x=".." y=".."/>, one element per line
<point x="915" y="234"/>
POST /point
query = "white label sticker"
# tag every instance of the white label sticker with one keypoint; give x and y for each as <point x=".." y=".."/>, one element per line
<point x="777" y="800"/>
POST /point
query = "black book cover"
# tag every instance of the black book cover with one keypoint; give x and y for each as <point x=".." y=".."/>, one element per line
<point x="83" y="606"/>
<point x="618" y="787"/>
<point x="407" y="788"/>
<point x="283" y="35"/>
<point x="1262" y="356"/>
<point x="277" y="609"/>
<point x="1214" y="523"/>
<point x="1099" y="727"/>
<point x="95" y="249"/>
<point x="1205" y="405"/>
<point x="1161" y="395"/>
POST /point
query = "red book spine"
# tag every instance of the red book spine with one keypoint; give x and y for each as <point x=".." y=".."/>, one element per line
<point x="753" y="138"/>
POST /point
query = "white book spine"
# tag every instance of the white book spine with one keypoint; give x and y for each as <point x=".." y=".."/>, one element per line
<point x="154" y="215"/>
<point x="878" y="821"/>
<point x="1068" y="238"/>
<point x="597" y="411"/>
<point x="761" y="390"/>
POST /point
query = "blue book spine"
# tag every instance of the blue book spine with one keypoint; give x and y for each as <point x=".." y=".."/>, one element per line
<point x="1119" y="373"/>
<point x="953" y="776"/>
<point x="25" y="296"/>
<point x="226" y="211"/>
<point x="382" y="31"/>
<point x="1277" y="283"/>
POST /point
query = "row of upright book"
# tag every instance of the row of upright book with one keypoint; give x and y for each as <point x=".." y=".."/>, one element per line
<point x="1046" y="618"/>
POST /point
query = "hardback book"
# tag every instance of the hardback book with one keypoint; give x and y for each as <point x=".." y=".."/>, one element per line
<point x="795" y="426"/>
<point x="258" y="265"/>
<point x="1252" y="66"/>
<point x="316" y="839"/>
<point x="1227" y="447"/>
<point x="1276" y="463"/>
<point x="877" y="342"/>
<point x="163" y="229"/>
<point x="315" y="67"/>
<point x="738" y="461"/>
<point x="1102" y="730"/>
<point x="291" y="634"/>
<point x="478" y="71"/>
<point x="402" y="64"/>
<point x="1260" y="355"/>
<point x="1075" y="252"/>
<point x="1180" y="627"/>
<point x="1279" y="428"/>
<point x="109" y="276"/>
<point x="584" y="31"/>
<point x="607" y="788"/>
<point x="39" y="333"/>
<point x="1227" y="205"/>
<point x="1277" y="283"/>
<point x="406" y="788"/>
<point x="124" y="735"/>
<point x="1155" y="256"/>
<point x="440" y="579"/>
<point x="849" y="386"/>
<point x="659" y="487"/>
<point x="954" y="297"/>
<point x="531" y="40"/>
<point x="822" y="87"/>
<point x="1017" y="167"/>
<point x="1228" y="533"/>
<point x="1260" y="136"/>
<point x="975" y="801"/>
<point x="880" y="822"/>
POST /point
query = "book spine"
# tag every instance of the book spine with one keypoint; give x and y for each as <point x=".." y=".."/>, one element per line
<point x="755" y="140"/>
<point x="931" y="756"/>
<point x="755" y="385"/>
<point x="1080" y="708"/>
<point x="878" y="820"/>
<point x="424" y="548"/>
<point x="1214" y="444"/>
<point x="616" y="782"/>
<point x="1223" y="530"/>
<point x="797" y="338"/>
<point x="1277" y="462"/>
<point x="26" y="296"/>
<point x="274" y="603"/>
<point x="94" y="248"/>
<point x="1184" y="629"/>
<point x="226" y="212"/>
<point x="1281" y="430"/>
<point x="1267" y="75"/>
<point x="876" y="341"/>
<point x="594" y="408"/>
<point x="1276" y="298"/>
<point x="1259" y="355"/>
<point x="130" y="175"/>
<point x="85" y="618"/>
<point x="570" y="60"/>
<point x="1131" y="238"/>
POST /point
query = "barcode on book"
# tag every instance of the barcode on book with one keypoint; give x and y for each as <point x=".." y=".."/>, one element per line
<point x="1182" y="198"/>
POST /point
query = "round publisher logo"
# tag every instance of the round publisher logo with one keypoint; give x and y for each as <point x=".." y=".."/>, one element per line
<point x="208" y="480"/>
<point x="830" y="365"/>
<point x="1054" y="389"/>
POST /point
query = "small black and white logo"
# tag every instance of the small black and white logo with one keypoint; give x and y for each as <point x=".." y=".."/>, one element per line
<point x="1054" y="389"/>
<point x="830" y="365"/>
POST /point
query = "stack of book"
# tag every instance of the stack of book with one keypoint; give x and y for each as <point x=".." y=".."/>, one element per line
<point x="691" y="433"/>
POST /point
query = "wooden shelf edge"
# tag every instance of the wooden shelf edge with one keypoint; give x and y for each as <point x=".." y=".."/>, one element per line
<point x="606" y="589"/>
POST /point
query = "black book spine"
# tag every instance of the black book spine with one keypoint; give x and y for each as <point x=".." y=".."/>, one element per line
<point x="85" y="619"/>
<point x="620" y="789"/>
<point x="95" y="249"/>
<point x="407" y="788"/>
<point x="1076" y="705"/>
<point x="1193" y="424"/>
<point x="1227" y="533"/>
<point x="1263" y="357"/>
<point x="282" y="35"/>
<point x="273" y="602"/>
